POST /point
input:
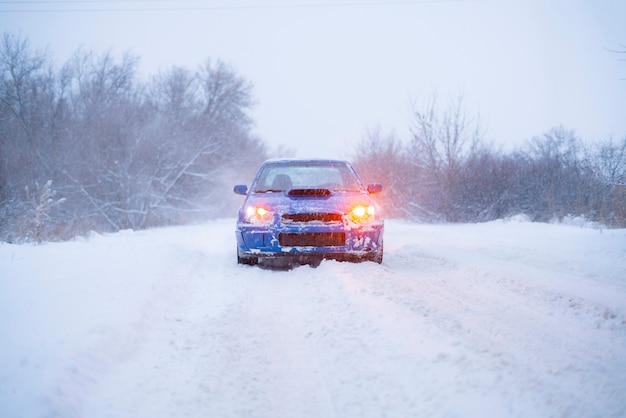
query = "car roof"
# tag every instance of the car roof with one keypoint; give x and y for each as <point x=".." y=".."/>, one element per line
<point x="303" y="160"/>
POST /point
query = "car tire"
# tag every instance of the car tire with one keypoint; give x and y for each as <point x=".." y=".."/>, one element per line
<point x="247" y="261"/>
<point x="378" y="256"/>
<point x="315" y="262"/>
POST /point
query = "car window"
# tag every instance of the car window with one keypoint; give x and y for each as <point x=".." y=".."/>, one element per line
<point x="309" y="175"/>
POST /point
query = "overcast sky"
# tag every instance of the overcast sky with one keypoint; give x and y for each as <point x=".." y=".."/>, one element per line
<point x="325" y="72"/>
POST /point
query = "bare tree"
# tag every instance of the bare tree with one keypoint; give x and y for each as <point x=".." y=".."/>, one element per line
<point x="611" y="162"/>
<point x="24" y="77"/>
<point x="28" y="132"/>
<point x="610" y="166"/>
<point x="380" y="158"/>
<point x="101" y="142"/>
<point x="214" y="104"/>
<point x="442" y="140"/>
<point x="227" y="97"/>
<point x="559" y="174"/>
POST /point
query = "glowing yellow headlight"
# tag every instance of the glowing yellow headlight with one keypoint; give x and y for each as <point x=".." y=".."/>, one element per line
<point x="261" y="212"/>
<point x="257" y="213"/>
<point x="359" y="211"/>
<point x="362" y="212"/>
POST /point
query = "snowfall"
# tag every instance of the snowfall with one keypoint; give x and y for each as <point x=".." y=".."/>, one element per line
<point x="502" y="319"/>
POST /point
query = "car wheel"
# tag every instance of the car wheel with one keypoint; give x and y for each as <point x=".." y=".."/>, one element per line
<point x="248" y="261"/>
<point x="378" y="256"/>
<point x="315" y="262"/>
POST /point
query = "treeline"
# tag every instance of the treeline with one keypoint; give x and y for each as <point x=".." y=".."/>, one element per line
<point x="447" y="172"/>
<point x="91" y="147"/>
<point x="88" y="146"/>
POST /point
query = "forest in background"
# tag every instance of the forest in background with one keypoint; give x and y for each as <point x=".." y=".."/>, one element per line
<point x="91" y="147"/>
<point x="447" y="172"/>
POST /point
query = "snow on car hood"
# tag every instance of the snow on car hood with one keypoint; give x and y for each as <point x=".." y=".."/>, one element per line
<point x="336" y="202"/>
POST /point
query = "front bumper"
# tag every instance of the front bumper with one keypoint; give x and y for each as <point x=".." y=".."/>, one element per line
<point x="326" y="241"/>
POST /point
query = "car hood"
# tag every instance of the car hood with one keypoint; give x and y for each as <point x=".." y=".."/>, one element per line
<point x="332" y="202"/>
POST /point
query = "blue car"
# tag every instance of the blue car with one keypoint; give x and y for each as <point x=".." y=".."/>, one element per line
<point x="304" y="211"/>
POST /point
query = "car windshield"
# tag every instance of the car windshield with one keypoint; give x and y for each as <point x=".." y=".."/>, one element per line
<point x="282" y="176"/>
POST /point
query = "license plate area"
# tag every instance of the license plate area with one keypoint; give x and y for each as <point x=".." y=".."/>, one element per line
<point x="312" y="239"/>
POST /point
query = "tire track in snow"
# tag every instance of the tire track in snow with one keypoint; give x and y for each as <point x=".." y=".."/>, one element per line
<point x="441" y="328"/>
<point x="519" y="338"/>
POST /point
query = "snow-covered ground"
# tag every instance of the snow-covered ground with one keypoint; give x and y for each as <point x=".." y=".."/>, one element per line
<point x="499" y="319"/>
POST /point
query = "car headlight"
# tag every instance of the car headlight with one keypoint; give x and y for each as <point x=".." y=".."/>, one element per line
<point x="256" y="214"/>
<point x="362" y="213"/>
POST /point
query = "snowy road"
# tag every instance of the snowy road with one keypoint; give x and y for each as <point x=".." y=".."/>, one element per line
<point x="499" y="319"/>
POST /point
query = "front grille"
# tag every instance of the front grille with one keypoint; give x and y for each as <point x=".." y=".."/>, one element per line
<point x="312" y="217"/>
<point x="312" y="239"/>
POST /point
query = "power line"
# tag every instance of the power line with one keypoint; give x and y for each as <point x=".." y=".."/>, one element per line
<point x="57" y="2"/>
<point x="179" y="7"/>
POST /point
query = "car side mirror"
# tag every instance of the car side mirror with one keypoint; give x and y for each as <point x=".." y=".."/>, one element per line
<point x="374" y="188"/>
<point x="241" y="189"/>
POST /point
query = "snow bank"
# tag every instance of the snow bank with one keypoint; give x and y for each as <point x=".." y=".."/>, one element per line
<point x="495" y="319"/>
